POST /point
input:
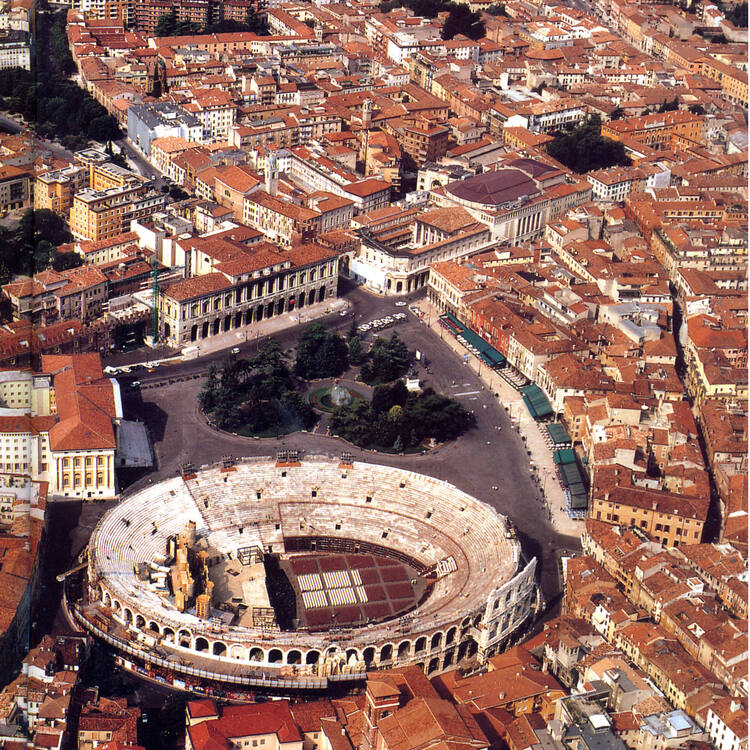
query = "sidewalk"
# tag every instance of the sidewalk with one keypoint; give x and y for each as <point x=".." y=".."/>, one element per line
<point x="268" y="327"/>
<point x="550" y="491"/>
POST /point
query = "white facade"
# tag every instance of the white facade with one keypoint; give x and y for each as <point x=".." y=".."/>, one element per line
<point x="15" y="55"/>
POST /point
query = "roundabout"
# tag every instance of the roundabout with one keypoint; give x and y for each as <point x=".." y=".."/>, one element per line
<point x="296" y="575"/>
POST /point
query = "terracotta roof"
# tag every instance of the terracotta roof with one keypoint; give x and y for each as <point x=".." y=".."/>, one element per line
<point x="197" y="286"/>
<point x="85" y="402"/>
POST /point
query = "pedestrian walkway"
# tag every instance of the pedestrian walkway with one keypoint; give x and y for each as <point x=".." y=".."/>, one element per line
<point x="541" y="462"/>
<point x="255" y="331"/>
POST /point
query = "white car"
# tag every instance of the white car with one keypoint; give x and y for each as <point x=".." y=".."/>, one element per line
<point x="400" y="303"/>
<point x="235" y="350"/>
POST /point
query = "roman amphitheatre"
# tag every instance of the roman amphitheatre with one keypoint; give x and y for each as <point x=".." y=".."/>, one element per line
<point x="296" y="574"/>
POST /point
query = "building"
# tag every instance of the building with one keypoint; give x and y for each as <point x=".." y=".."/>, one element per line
<point x="75" y="294"/>
<point x="147" y="122"/>
<point x="252" y="284"/>
<point x="441" y="234"/>
<point x="15" y="188"/>
<point x="108" y="720"/>
<point x="54" y="190"/>
<point x="103" y="214"/>
<point x="516" y="200"/>
<point x="15" y="51"/>
<point x="727" y="724"/>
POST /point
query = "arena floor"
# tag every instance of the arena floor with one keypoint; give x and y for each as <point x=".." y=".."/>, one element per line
<point x="335" y="589"/>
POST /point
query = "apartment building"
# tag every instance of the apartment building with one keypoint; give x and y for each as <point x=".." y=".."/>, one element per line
<point x="659" y="131"/>
<point x="15" y="188"/>
<point x="104" y="214"/>
<point x="54" y="190"/>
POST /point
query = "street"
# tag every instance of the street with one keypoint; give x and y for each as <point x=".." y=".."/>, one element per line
<point x="140" y="162"/>
<point x="479" y="461"/>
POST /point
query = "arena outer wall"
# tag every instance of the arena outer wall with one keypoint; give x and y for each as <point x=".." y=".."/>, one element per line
<point x="472" y="610"/>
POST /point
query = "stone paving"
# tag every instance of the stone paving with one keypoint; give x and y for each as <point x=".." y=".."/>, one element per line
<point x="549" y="486"/>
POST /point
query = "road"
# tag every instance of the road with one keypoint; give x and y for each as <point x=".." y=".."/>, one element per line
<point x="484" y="458"/>
<point x="143" y="166"/>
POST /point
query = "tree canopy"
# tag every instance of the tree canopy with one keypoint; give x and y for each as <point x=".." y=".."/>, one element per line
<point x="255" y="396"/>
<point x="320" y="353"/>
<point x="386" y="361"/>
<point x="670" y="106"/>
<point x="32" y="247"/>
<point x="737" y="14"/>
<point x="460" y="20"/>
<point x="585" y="148"/>
<point x="397" y="420"/>
<point x="47" y="97"/>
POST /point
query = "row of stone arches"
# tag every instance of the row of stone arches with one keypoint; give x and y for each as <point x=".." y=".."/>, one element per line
<point x="438" y="651"/>
<point x="230" y="321"/>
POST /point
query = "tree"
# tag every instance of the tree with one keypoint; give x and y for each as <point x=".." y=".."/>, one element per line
<point x="165" y="25"/>
<point x="320" y="353"/>
<point x="396" y="418"/>
<point x="737" y="15"/>
<point x="356" y="353"/>
<point x="670" y="106"/>
<point x="208" y="394"/>
<point x="178" y="193"/>
<point x="255" y="396"/>
<point x="498" y="9"/>
<point x="65" y="261"/>
<point x="387" y="361"/>
<point x="461" y="20"/>
<point x="616" y="113"/>
<point x="584" y="148"/>
<point x="256" y="23"/>
<point x="697" y="109"/>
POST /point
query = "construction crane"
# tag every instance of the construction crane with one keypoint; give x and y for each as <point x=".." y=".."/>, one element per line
<point x="155" y="301"/>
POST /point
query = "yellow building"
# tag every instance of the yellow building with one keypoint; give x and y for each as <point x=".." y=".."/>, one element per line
<point x="54" y="190"/>
<point x="733" y="80"/>
<point x="103" y="214"/>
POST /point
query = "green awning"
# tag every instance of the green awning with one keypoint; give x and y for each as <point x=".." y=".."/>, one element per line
<point x="487" y="352"/>
<point x="530" y="407"/>
<point x="579" y="502"/>
<point x="565" y="456"/>
<point x="538" y="404"/>
<point x="571" y="477"/>
<point x="498" y="359"/>
<point x="558" y="434"/>
<point x="474" y="340"/>
<point x="454" y="320"/>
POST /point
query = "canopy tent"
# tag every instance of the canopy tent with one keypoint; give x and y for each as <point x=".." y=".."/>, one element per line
<point x="579" y="501"/>
<point x="559" y="435"/>
<point x="452" y="323"/>
<point x="474" y="340"/>
<point x="536" y="402"/>
<point x="498" y="360"/>
<point x="571" y="477"/>
<point x="564" y="456"/>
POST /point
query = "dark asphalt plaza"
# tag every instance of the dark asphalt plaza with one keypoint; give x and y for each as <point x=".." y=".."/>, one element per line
<point x="482" y="459"/>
